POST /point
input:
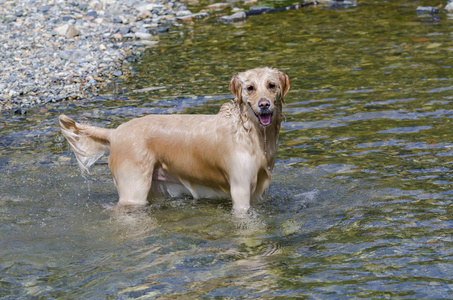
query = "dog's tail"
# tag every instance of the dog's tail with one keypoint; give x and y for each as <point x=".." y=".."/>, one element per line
<point x="89" y="143"/>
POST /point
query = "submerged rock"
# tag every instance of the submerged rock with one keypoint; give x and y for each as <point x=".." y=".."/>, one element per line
<point x="258" y="10"/>
<point x="337" y="3"/>
<point x="234" y="18"/>
<point x="427" y="10"/>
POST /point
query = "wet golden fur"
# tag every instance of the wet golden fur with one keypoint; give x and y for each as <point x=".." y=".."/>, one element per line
<point x="230" y="153"/>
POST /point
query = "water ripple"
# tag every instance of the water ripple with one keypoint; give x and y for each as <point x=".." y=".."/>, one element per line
<point x="438" y="90"/>
<point x="412" y="129"/>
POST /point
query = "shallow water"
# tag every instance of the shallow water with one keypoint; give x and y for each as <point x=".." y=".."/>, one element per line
<point x="361" y="200"/>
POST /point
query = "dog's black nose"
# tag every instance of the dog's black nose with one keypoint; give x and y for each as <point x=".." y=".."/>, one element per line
<point x="264" y="104"/>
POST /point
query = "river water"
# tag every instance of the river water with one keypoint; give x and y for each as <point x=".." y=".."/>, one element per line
<point x="361" y="201"/>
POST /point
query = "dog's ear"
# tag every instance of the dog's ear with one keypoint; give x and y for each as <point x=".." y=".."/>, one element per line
<point x="284" y="84"/>
<point x="236" y="87"/>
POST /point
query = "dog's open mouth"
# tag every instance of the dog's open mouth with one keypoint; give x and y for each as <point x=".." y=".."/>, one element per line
<point x="265" y="118"/>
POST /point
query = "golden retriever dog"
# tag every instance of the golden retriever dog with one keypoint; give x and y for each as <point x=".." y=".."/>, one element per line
<point x="230" y="153"/>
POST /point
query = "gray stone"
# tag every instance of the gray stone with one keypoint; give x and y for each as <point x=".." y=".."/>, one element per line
<point x="258" y="10"/>
<point x="73" y="55"/>
<point x="143" y="28"/>
<point x="19" y="13"/>
<point x="91" y="15"/>
<point x="449" y="6"/>
<point x="162" y="29"/>
<point x="234" y="18"/>
<point x="125" y="30"/>
<point x="427" y="9"/>
<point x="201" y="15"/>
<point x="183" y="13"/>
<point x="147" y="43"/>
<point x="117" y="73"/>
<point x="44" y="8"/>
<point x="129" y="35"/>
<point x="66" y="18"/>
<point x="20" y="111"/>
<point x="66" y="30"/>
<point x="218" y="6"/>
<point x="143" y="35"/>
<point x="150" y="7"/>
<point x="117" y="20"/>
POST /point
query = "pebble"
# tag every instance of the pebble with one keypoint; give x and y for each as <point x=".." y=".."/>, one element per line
<point x="60" y="50"/>
<point x="67" y="30"/>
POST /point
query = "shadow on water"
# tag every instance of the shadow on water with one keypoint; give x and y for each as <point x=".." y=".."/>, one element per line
<point x="361" y="199"/>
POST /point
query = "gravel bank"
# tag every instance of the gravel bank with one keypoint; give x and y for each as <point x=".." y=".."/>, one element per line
<point x="54" y="50"/>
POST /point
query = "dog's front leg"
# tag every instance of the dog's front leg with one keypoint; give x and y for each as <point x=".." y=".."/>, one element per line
<point x="241" y="186"/>
<point x="240" y="194"/>
<point x="243" y="178"/>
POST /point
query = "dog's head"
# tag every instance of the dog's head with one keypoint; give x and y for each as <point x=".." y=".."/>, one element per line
<point x="262" y="91"/>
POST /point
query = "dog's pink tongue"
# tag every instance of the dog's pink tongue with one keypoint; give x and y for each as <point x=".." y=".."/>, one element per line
<point x="265" y="119"/>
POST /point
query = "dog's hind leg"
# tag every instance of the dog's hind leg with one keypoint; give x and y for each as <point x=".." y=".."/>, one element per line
<point x="132" y="189"/>
<point x="133" y="183"/>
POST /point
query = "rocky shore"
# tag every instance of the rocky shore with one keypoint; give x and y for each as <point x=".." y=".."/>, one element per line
<point x="54" y="50"/>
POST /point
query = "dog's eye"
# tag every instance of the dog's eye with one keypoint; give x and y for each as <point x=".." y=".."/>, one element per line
<point x="271" y="86"/>
<point x="250" y="88"/>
